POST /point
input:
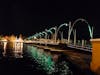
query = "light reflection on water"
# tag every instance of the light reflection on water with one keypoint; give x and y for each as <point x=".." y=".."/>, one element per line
<point x="46" y="62"/>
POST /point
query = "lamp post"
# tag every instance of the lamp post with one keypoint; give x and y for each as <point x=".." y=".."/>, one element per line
<point x="62" y="37"/>
<point x="45" y="37"/>
<point x="74" y="37"/>
<point x="50" y="30"/>
<point x="54" y="28"/>
<point x="69" y="29"/>
<point x="65" y="24"/>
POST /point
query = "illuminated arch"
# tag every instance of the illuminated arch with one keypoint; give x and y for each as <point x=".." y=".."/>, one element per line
<point x="65" y="24"/>
<point x="83" y="20"/>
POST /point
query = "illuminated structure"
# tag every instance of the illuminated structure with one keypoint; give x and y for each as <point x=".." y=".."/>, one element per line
<point x="72" y="39"/>
<point x="4" y="46"/>
<point x="18" y="48"/>
<point x="3" y="43"/>
<point x="65" y="24"/>
<point x="95" y="64"/>
<point x="12" y="46"/>
<point x="90" y="29"/>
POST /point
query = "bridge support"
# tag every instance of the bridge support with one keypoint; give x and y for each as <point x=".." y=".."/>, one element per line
<point x="83" y="43"/>
<point x="95" y="64"/>
<point x="74" y="37"/>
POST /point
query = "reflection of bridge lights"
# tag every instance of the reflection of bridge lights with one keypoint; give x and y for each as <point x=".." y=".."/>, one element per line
<point x="46" y="63"/>
<point x="42" y="58"/>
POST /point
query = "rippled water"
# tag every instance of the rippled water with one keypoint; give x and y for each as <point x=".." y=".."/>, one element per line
<point x="46" y="62"/>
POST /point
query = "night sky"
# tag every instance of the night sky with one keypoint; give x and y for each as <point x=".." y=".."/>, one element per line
<point x="30" y="16"/>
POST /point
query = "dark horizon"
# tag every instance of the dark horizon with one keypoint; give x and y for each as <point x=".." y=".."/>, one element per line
<point x="29" y="17"/>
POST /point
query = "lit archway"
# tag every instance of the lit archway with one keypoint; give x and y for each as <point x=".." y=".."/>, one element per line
<point x="83" y="20"/>
<point x="65" y="24"/>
